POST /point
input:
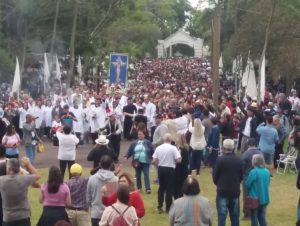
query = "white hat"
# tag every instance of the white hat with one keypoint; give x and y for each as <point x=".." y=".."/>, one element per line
<point x="102" y="140"/>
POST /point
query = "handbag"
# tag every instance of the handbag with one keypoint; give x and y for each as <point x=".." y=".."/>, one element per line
<point x="250" y="202"/>
<point x="40" y="147"/>
<point x="135" y="163"/>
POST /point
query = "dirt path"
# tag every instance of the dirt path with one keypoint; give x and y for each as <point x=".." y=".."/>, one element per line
<point x="49" y="157"/>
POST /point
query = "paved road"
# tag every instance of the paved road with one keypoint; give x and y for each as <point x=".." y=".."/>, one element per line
<point x="49" y="157"/>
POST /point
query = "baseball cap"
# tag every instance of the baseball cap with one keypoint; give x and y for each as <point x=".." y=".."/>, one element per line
<point x="76" y="169"/>
<point x="252" y="142"/>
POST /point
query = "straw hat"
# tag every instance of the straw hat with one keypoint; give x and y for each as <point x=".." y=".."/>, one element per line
<point x="102" y="140"/>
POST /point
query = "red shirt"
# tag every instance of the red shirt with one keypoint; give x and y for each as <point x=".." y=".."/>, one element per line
<point x="135" y="200"/>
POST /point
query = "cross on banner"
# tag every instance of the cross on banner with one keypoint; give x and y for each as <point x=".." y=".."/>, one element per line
<point x="118" y="69"/>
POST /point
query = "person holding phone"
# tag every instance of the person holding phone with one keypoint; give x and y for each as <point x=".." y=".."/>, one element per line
<point x="30" y="137"/>
<point x="11" y="141"/>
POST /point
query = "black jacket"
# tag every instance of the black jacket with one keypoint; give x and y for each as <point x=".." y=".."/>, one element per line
<point x="228" y="175"/>
<point x="96" y="154"/>
<point x="253" y="125"/>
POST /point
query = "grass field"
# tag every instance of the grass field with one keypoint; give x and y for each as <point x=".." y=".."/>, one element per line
<point x="280" y="212"/>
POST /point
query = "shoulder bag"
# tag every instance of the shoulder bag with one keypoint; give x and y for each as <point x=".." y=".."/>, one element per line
<point x="250" y="202"/>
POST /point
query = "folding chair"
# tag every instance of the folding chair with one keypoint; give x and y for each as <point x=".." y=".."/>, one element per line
<point x="288" y="161"/>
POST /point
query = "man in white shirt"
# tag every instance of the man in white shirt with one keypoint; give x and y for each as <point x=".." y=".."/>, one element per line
<point x="150" y="111"/>
<point x="182" y="123"/>
<point x="166" y="156"/>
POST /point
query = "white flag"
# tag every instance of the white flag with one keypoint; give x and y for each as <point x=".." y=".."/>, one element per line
<point x="58" y="73"/>
<point x="46" y="70"/>
<point x="245" y="75"/>
<point x="79" y="68"/>
<point x="251" y="89"/>
<point x="221" y="61"/>
<point x="17" y="79"/>
<point x="263" y="79"/>
<point x="234" y="66"/>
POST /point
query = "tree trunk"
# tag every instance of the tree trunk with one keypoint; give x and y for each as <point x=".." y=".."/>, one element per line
<point x="54" y="26"/>
<point x="216" y="32"/>
<point x="72" y="45"/>
<point x="267" y="34"/>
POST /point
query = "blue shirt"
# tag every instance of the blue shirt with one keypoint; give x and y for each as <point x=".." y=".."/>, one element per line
<point x="140" y="152"/>
<point x="268" y="138"/>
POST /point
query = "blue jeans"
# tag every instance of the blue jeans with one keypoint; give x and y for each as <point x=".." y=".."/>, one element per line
<point x="212" y="157"/>
<point x="30" y="152"/>
<point x="195" y="161"/>
<point x="232" y="205"/>
<point x="143" y="167"/>
<point x="258" y="216"/>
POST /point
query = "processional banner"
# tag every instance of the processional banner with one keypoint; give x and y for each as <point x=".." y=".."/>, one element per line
<point x="118" y="69"/>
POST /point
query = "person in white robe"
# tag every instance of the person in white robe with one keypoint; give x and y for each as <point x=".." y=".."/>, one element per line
<point x="86" y="122"/>
<point x="78" y="97"/>
<point x="77" y="125"/>
<point x="23" y="111"/>
<point x="97" y="118"/>
<point x="37" y="112"/>
<point x="150" y="112"/>
<point x="47" y="115"/>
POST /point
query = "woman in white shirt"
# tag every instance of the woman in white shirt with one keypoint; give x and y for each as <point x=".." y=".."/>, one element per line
<point x="66" y="149"/>
<point x="197" y="144"/>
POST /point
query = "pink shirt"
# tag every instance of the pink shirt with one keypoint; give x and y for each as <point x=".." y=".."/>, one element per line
<point x="55" y="199"/>
<point x="11" y="140"/>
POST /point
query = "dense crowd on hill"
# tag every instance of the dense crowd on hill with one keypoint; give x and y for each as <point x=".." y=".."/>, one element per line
<point x="167" y="114"/>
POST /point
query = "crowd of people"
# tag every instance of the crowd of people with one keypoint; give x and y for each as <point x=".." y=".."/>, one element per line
<point x="168" y="116"/>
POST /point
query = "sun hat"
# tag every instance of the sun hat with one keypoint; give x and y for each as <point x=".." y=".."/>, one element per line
<point x="76" y="169"/>
<point x="102" y="140"/>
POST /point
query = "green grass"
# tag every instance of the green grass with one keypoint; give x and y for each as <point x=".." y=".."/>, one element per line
<point x="280" y="212"/>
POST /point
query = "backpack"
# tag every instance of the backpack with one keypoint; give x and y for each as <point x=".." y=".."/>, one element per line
<point x="120" y="220"/>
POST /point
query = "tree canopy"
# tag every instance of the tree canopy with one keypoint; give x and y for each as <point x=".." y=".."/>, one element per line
<point x="89" y="28"/>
